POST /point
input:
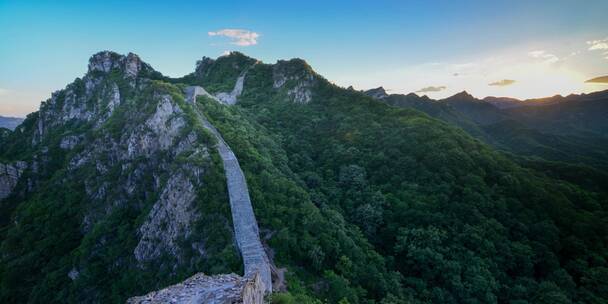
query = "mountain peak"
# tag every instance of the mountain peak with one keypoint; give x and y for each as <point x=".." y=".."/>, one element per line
<point x="462" y="95"/>
<point x="503" y="102"/>
<point x="106" y="61"/>
<point x="235" y="61"/>
<point x="235" y="54"/>
<point x="297" y="76"/>
<point x="295" y="66"/>
<point x="377" y="93"/>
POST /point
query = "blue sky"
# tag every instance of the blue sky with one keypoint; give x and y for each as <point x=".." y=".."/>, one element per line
<point x="433" y="47"/>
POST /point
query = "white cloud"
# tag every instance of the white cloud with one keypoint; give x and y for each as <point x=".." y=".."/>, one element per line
<point x="238" y="37"/>
<point x="502" y="83"/>
<point x="3" y="91"/>
<point x="431" y="89"/>
<point x="601" y="44"/>
<point x="544" y="56"/>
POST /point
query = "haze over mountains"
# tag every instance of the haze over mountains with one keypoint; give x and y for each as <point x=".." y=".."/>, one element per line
<point x="10" y="122"/>
<point x="117" y="187"/>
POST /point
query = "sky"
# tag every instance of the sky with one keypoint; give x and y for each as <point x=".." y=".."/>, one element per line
<point x="522" y="49"/>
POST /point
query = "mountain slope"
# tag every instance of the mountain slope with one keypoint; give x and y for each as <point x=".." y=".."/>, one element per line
<point x="420" y="191"/>
<point x="122" y="193"/>
<point x="571" y="128"/>
<point x="356" y="201"/>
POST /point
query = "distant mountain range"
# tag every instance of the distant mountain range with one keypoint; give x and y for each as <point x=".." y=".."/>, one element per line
<point x="573" y="127"/>
<point x="10" y="122"/>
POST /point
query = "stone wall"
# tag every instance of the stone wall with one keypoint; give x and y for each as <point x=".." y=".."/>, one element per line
<point x="220" y="289"/>
<point x="243" y="218"/>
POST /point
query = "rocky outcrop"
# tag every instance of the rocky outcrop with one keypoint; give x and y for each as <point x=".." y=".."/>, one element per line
<point x="9" y="176"/>
<point x="156" y="135"/>
<point x="169" y="220"/>
<point x="107" y="61"/>
<point x="129" y="149"/>
<point x="69" y="142"/>
<point x="245" y="224"/>
<point x="377" y="93"/>
<point x="297" y="77"/>
<point x="165" y="124"/>
<point x="93" y="98"/>
<point x="220" y="289"/>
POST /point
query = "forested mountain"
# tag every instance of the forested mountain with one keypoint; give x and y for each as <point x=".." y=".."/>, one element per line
<point x="117" y="190"/>
<point x="571" y="128"/>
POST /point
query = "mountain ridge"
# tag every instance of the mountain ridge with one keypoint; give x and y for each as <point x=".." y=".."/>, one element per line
<point x="10" y="122"/>
<point x="358" y="200"/>
<point x="534" y="127"/>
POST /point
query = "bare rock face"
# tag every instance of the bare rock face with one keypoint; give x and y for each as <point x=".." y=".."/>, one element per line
<point x="106" y="61"/>
<point x="165" y="125"/>
<point x="69" y="142"/>
<point x="220" y="289"/>
<point x="93" y="98"/>
<point x="169" y="220"/>
<point x="9" y="176"/>
<point x="159" y="138"/>
<point x="156" y="135"/>
<point x="297" y="77"/>
<point x="377" y="93"/>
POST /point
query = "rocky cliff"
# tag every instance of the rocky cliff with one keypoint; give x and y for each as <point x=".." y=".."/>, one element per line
<point x="139" y="178"/>
<point x="9" y="176"/>
<point x="130" y="166"/>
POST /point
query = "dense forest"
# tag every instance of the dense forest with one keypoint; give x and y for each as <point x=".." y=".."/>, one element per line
<point x="454" y="220"/>
<point x="359" y="200"/>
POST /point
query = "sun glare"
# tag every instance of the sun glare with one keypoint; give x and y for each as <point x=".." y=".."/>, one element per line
<point x="535" y="82"/>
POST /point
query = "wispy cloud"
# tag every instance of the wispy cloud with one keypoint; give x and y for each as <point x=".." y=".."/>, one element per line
<point x="432" y="89"/>
<point x="601" y="79"/>
<point x="544" y="56"/>
<point x="599" y="45"/>
<point x="502" y="83"/>
<point x="238" y="37"/>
